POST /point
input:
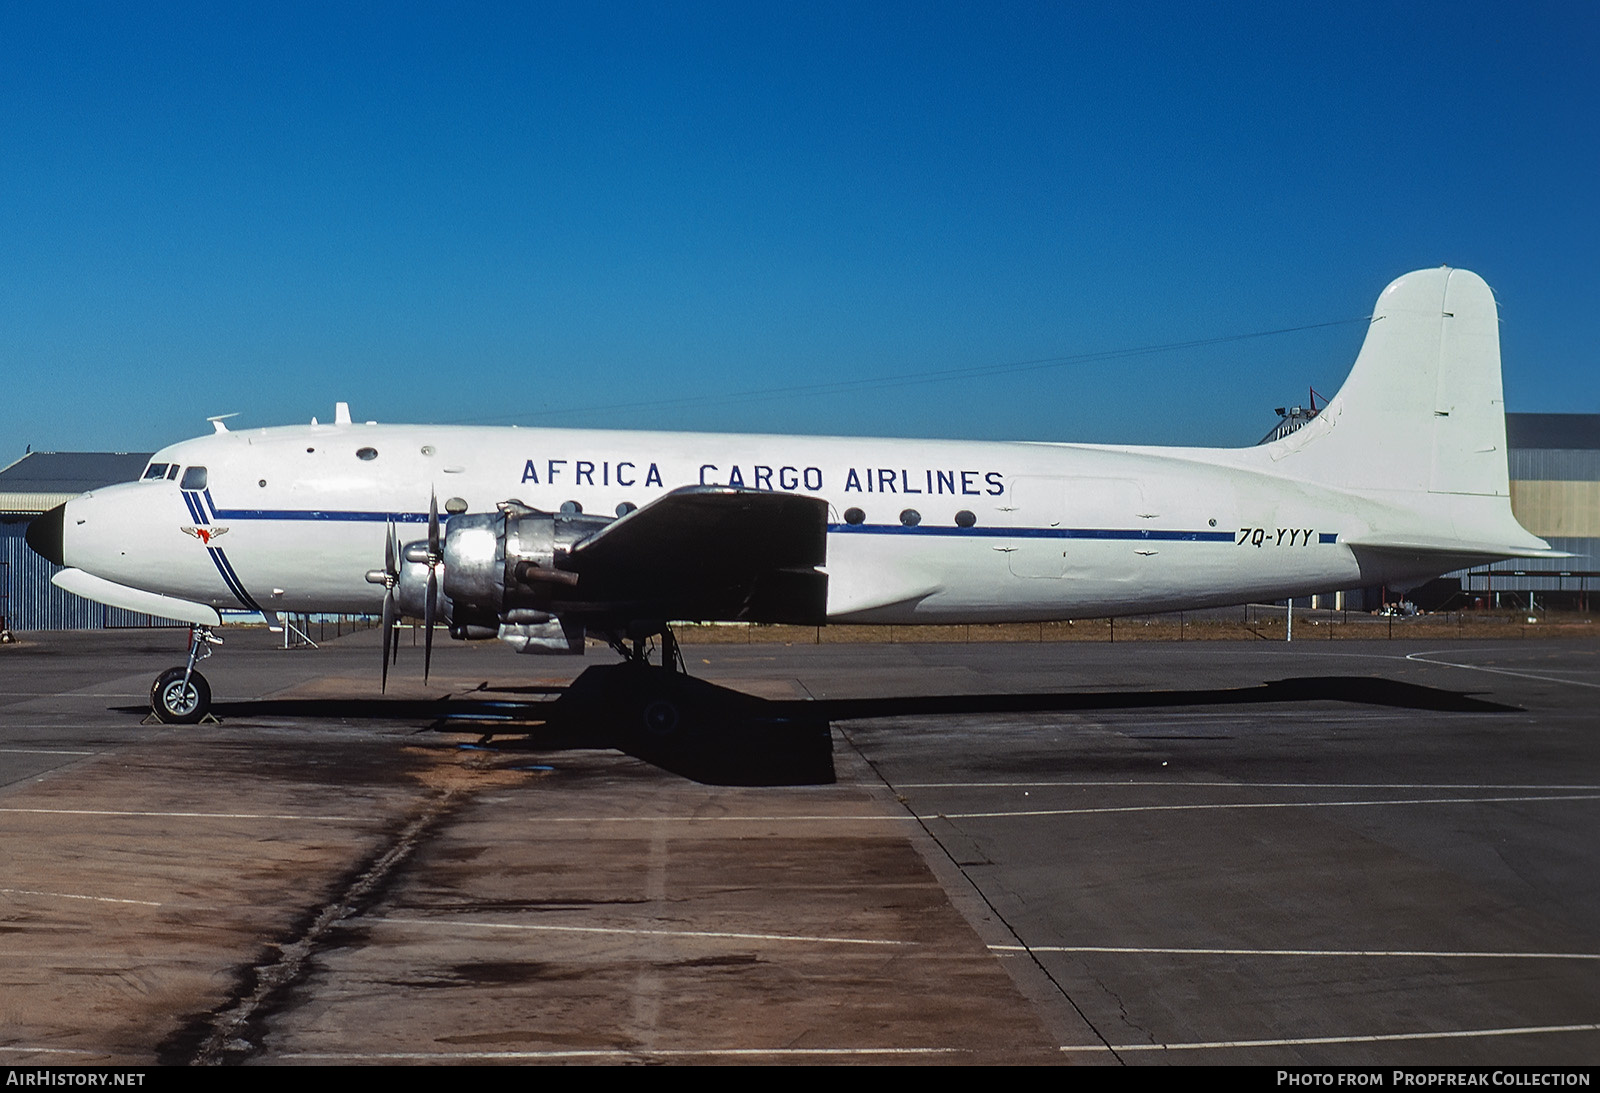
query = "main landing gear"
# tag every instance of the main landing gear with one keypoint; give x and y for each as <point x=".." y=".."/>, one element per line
<point x="651" y="708"/>
<point x="649" y="697"/>
<point x="181" y="696"/>
<point x="636" y="650"/>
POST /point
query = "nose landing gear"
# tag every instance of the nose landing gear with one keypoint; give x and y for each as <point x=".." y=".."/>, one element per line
<point x="181" y="696"/>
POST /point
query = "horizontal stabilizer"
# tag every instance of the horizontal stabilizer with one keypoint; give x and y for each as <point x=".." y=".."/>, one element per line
<point x="1427" y="544"/>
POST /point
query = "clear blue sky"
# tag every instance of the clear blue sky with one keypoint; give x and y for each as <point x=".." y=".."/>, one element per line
<point x="561" y="214"/>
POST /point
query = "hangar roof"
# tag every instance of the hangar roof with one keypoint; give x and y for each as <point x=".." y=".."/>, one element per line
<point x="43" y="480"/>
<point x="1545" y="431"/>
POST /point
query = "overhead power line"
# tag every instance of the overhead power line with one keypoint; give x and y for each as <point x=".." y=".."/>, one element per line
<point x="910" y="379"/>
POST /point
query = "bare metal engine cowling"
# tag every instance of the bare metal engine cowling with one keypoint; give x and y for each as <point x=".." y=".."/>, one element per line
<point x="500" y="573"/>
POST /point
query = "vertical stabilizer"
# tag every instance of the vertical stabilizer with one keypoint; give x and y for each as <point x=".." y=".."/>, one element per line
<point x="1420" y="422"/>
<point x="1422" y="410"/>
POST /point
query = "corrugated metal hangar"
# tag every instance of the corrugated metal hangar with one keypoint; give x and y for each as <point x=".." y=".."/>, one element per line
<point x="1555" y="493"/>
<point x="37" y="482"/>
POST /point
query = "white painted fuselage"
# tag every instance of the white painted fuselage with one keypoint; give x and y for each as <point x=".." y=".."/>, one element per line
<point x="291" y="518"/>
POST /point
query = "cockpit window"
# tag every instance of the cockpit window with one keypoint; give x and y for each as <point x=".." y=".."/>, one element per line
<point x="194" y="478"/>
<point x="172" y="472"/>
<point x="156" y="470"/>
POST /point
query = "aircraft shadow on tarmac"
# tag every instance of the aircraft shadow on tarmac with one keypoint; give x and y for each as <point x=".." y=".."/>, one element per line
<point x="720" y="736"/>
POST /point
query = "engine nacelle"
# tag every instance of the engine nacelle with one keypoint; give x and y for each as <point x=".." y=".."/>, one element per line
<point x="411" y="596"/>
<point x="503" y="570"/>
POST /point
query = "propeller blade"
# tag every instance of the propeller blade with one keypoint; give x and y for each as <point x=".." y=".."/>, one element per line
<point x="388" y="636"/>
<point x="391" y="611"/>
<point x="428" y="608"/>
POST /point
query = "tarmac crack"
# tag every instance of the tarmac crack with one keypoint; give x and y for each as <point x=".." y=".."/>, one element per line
<point x="232" y="1032"/>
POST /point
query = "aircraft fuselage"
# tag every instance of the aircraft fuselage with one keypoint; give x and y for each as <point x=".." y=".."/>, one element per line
<point x="918" y="531"/>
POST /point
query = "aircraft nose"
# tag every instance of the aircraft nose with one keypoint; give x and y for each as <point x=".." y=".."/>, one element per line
<point x="45" y="532"/>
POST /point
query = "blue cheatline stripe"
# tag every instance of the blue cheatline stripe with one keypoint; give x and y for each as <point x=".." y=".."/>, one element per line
<point x="206" y="504"/>
<point x="231" y="579"/>
<point x="319" y="515"/>
<point x="227" y="578"/>
<point x="1119" y="534"/>
<point x="1037" y="533"/>
<point x="194" y="509"/>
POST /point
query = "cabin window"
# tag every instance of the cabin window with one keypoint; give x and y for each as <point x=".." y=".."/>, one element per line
<point x="571" y="508"/>
<point x="965" y="518"/>
<point x="910" y="517"/>
<point x="366" y="455"/>
<point x="626" y="507"/>
<point x="194" y="478"/>
<point x="854" y="516"/>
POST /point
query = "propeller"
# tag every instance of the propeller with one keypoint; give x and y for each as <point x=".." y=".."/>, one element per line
<point x="388" y="576"/>
<point x="431" y="554"/>
<point x="431" y="604"/>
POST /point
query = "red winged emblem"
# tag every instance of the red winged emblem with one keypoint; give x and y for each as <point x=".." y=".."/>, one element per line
<point x="205" y="535"/>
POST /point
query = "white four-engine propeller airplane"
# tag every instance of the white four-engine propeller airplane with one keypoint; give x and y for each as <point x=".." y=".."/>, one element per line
<point x="539" y="536"/>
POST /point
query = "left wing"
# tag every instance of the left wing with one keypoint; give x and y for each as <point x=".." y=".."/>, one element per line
<point x="710" y="552"/>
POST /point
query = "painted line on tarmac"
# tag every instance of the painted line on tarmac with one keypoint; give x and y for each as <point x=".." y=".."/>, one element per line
<point x="1304" y="1041"/>
<point x="187" y="815"/>
<point x="452" y="924"/>
<point x="1257" y="804"/>
<point x="70" y="895"/>
<point x="776" y="818"/>
<point x="1422" y="658"/>
<point x="1243" y="785"/>
<point x="1440" y="954"/>
<point x="73" y="694"/>
<point x="625" y="1053"/>
<point x="745" y="819"/>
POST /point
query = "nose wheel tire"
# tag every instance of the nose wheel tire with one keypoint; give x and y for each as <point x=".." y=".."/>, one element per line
<point x="177" y="704"/>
